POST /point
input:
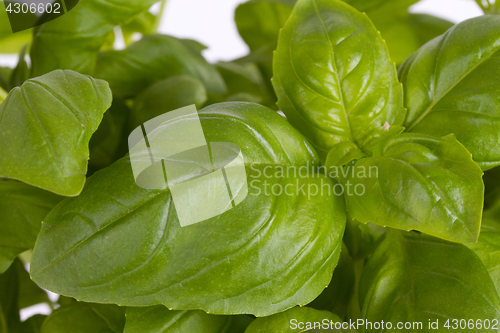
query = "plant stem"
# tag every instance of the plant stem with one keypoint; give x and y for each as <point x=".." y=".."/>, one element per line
<point x="159" y="15"/>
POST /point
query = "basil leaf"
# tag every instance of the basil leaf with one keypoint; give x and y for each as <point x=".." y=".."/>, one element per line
<point x="142" y="23"/>
<point x="153" y="58"/>
<point x="294" y="320"/>
<point x="229" y="264"/>
<point x="29" y="293"/>
<point x="336" y="296"/>
<point x="418" y="182"/>
<point x="417" y="278"/>
<point x="428" y="27"/>
<point x="73" y="40"/>
<point x="159" y="319"/>
<point x="85" y="318"/>
<point x="488" y="246"/>
<point x="333" y="76"/>
<point x="45" y="128"/>
<point x="167" y="95"/>
<point x="491" y="180"/>
<point x="21" y="72"/>
<point x="22" y="208"/>
<point x="246" y="79"/>
<point x="9" y="314"/>
<point x="451" y="87"/>
<point x="106" y="145"/>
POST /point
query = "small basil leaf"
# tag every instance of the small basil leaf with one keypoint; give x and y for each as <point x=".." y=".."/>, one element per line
<point x="333" y="76"/>
<point x="159" y="319"/>
<point x="153" y="58"/>
<point x="167" y="95"/>
<point x="336" y="296"/>
<point x="342" y="153"/>
<point x="74" y="40"/>
<point x="294" y="320"/>
<point x="418" y="182"/>
<point x="450" y="86"/>
<point x="21" y="72"/>
<point x="417" y="278"/>
<point x="85" y="318"/>
<point x="45" y="128"/>
<point x="5" y="74"/>
<point x="283" y="245"/>
<point x="22" y="207"/>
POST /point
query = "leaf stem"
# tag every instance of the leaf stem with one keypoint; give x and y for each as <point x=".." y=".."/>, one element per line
<point x="159" y="16"/>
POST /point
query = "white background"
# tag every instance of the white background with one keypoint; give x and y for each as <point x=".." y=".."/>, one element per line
<point x="211" y="22"/>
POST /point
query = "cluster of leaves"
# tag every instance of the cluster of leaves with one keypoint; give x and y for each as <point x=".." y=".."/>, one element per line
<point x="416" y="246"/>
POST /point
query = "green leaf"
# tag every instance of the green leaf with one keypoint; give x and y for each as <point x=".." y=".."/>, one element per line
<point x="105" y="146"/>
<point x="159" y="319"/>
<point x="9" y="314"/>
<point x="417" y="278"/>
<point x="333" y="76"/>
<point x="418" y="182"/>
<point x="22" y="208"/>
<point x="491" y="180"/>
<point x="428" y="27"/>
<point x="489" y="6"/>
<point x="488" y="246"/>
<point x="336" y="296"/>
<point x="73" y="40"/>
<point x="167" y="95"/>
<point x="246" y="79"/>
<point x="5" y="74"/>
<point x="31" y="325"/>
<point x="45" y="128"/>
<point x="11" y="42"/>
<point x="288" y="321"/>
<point x="152" y="59"/>
<point x="29" y="293"/>
<point x="85" y="318"/>
<point x="21" y="72"/>
<point x="343" y="153"/>
<point x="142" y="23"/>
<point x="451" y="86"/>
<point x="267" y="254"/>
<point x="3" y="95"/>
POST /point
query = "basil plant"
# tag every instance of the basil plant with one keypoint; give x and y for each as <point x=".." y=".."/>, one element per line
<point x="368" y="137"/>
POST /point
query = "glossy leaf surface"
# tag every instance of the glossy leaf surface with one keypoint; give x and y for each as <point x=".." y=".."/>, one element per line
<point x="45" y="128"/>
<point x="152" y="59"/>
<point x="417" y="278"/>
<point x="417" y="182"/>
<point x="281" y="245"/>
<point x="450" y="86"/>
<point x="333" y="76"/>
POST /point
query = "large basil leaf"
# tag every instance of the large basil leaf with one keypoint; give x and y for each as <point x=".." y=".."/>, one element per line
<point x="285" y="246"/>
<point x="333" y="76"/>
<point x="73" y="40"/>
<point x="159" y="319"/>
<point x="22" y="209"/>
<point x="488" y="246"/>
<point x="45" y="128"/>
<point x="85" y="318"/>
<point x="417" y="278"/>
<point x="152" y="59"/>
<point x="419" y="182"/>
<point x="336" y="296"/>
<point x="450" y="86"/>
<point x="167" y="95"/>
<point x="294" y="320"/>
